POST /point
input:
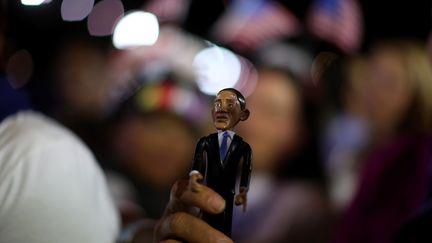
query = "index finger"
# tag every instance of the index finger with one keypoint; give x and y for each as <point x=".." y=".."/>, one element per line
<point x="182" y="199"/>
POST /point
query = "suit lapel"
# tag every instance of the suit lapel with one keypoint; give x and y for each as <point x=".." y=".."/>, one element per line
<point x="215" y="143"/>
<point x="231" y="148"/>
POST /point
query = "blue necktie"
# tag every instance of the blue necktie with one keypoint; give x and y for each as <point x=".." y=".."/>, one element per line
<point x="224" y="146"/>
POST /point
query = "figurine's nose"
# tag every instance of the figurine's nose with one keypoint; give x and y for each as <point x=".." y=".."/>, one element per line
<point x="221" y="108"/>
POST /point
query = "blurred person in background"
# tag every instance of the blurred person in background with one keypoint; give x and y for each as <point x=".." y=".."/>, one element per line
<point x="395" y="179"/>
<point x="151" y="146"/>
<point x="80" y="77"/>
<point x="84" y="83"/>
<point x="345" y="130"/>
<point x="51" y="188"/>
<point x="290" y="205"/>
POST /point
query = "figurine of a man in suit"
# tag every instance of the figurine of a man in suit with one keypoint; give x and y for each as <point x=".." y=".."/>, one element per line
<point x="219" y="155"/>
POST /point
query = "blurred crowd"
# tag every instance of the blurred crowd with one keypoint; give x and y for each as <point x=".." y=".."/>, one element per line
<point x="341" y="135"/>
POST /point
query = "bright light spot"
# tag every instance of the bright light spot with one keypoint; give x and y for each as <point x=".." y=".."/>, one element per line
<point x="76" y="10"/>
<point x="34" y="2"/>
<point x="135" y="29"/>
<point x="19" y="68"/>
<point x="248" y="77"/>
<point x="216" y="68"/>
<point x="103" y="17"/>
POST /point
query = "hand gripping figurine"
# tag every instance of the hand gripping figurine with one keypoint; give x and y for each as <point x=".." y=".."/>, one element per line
<point x="219" y="155"/>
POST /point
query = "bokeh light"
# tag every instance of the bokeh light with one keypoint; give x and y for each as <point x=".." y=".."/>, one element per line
<point x="76" y="10"/>
<point x="136" y="29"/>
<point x="248" y="77"/>
<point x="103" y="17"/>
<point x="34" y="2"/>
<point x="19" y="68"/>
<point x="216" y="68"/>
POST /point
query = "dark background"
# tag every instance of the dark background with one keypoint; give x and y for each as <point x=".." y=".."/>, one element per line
<point x="41" y="31"/>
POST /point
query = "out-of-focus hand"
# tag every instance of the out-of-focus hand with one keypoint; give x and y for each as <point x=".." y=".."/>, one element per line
<point x="241" y="198"/>
<point x="180" y="222"/>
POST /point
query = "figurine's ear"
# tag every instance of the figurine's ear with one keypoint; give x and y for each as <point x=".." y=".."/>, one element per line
<point x="244" y="115"/>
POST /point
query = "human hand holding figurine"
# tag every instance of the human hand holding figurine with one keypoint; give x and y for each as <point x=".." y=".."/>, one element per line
<point x="180" y="222"/>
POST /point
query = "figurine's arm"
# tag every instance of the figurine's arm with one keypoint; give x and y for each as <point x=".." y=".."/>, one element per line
<point x="247" y="168"/>
<point x="198" y="166"/>
<point x="241" y="198"/>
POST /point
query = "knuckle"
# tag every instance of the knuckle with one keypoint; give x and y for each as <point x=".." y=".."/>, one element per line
<point x="178" y="222"/>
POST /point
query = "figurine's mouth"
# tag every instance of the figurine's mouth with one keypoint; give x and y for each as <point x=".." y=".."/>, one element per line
<point x="222" y="117"/>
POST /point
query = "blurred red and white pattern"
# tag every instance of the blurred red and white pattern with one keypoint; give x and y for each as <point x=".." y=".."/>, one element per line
<point x="248" y="24"/>
<point x="337" y="21"/>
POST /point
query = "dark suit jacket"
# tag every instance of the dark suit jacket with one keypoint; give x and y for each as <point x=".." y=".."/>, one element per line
<point x="221" y="176"/>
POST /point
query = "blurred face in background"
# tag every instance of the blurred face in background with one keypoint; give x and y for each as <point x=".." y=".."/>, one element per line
<point x="273" y="128"/>
<point x="389" y="92"/>
<point x="355" y="93"/>
<point x="156" y="149"/>
<point x="82" y="80"/>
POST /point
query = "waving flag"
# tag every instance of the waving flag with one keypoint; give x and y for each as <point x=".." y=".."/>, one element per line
<point x="168" y="10"/>
<point x="250" y="23"/>
<point x="338" y="22"/>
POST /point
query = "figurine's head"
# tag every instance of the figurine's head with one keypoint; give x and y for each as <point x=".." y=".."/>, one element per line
<point x="229" y="108"/>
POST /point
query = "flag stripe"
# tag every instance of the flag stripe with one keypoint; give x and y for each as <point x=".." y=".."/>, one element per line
<point x="247" y="30"/>
<point x="340" y="24"/>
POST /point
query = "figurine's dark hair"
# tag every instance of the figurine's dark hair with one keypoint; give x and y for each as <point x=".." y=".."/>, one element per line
<point x="239" y="95"/>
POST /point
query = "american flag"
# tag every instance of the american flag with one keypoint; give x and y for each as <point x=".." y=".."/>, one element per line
<point x="338" y="22"/>
<point x="247" y="24"/>
<point x="168" y="10"/>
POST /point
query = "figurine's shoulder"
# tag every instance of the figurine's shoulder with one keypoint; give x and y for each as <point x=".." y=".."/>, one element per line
<point x="241" y="141"/>
<point x="210" y="136"/>
<point x="207" y="138"/>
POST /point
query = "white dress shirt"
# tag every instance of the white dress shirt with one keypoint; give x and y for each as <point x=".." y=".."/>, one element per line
<point x="230" y="138"/>
<point x="51" y="189"/>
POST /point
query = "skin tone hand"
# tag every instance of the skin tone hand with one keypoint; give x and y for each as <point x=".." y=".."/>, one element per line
<point x="241" y="198"/>
<point x="180" y="222"/>
<point x="195" y="182"/>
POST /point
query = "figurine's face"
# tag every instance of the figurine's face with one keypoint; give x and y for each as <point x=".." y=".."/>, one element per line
<point x="227" y="111"/>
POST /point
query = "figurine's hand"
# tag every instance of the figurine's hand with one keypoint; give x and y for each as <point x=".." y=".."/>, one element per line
<point x="179" y="222"/>
<point x="195" y="180"/>
<point x="241" y="198"/>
